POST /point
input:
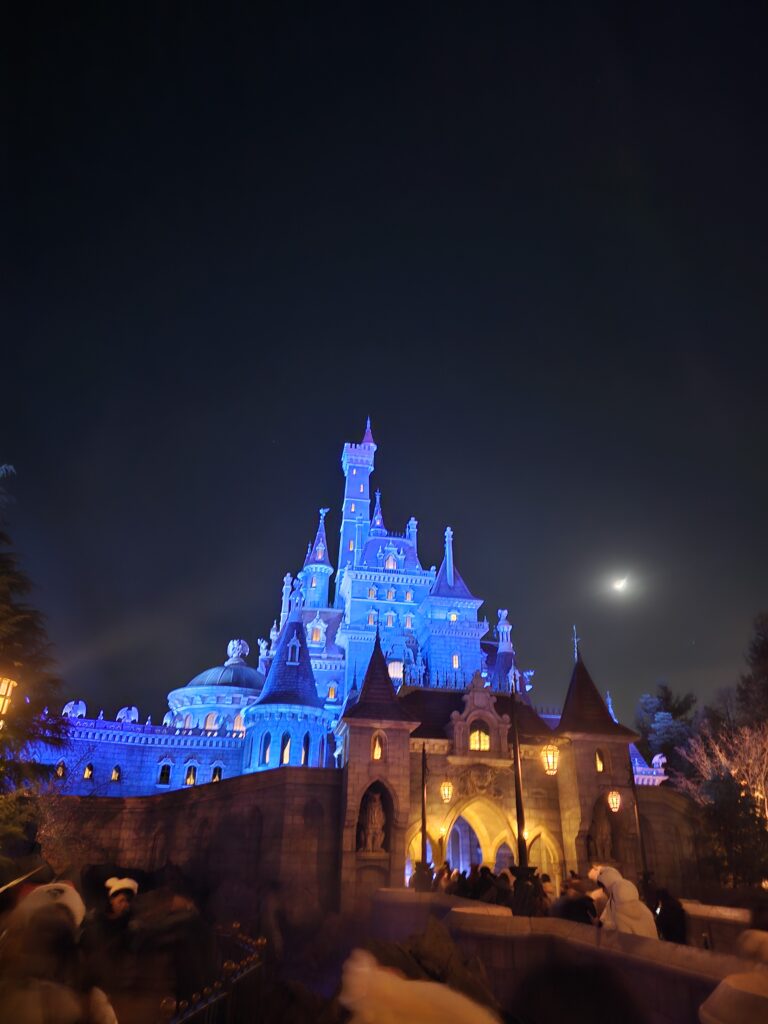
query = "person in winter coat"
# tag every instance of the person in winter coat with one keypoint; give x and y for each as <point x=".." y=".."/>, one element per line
<point x="624" y="910"/>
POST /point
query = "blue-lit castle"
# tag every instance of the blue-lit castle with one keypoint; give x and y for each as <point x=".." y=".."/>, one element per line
<point x="235" y="718"/>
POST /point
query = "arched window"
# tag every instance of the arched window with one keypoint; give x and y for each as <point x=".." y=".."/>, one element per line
<point x="390" y="594"/>
<point x="352" y="507"/>
<point x="294" y="648"/>
<point x="372" y="593"/>
<point x="390" y="562"/>
<point x="88" y="771"/>
<point x="455" y="660"/>
<point x="238" y="727"/>
<point x="313" y="582"/>
<point x="409" y="595"/>
<point x="479" y="736"/>
<point x="266" y="743"/>
<point x="285" y="748"/>
<point x="305" y="749"/>
<point x="409" y="621"/>
<point x="371" y="618"/>
<point x="211" y="720"/>
<point x="188" y="721"/>
<point x="164" y="775"/>
<point x="217" y="773"/>
<point x="599" y="761"/>
<point x="61" y="770"/>
<point x="351" y="544"/>
<point x="378" y="747"/>
<point x="390" y="620"/>
<point x="191" y="775"/>
<point x="332" y="691"/>
<point x="116" y="773"/>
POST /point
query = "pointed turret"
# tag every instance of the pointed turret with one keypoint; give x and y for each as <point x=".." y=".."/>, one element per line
<point x="290" y="679"/>
<point x="584" y="710"/>
<point x="378" y="529"/>
<point x="448" y="582"/>
<point x="316" y="574"/>
<point x="377" y="700"/>
<point x="357" y="463"/>
<point x="368" y="436"/>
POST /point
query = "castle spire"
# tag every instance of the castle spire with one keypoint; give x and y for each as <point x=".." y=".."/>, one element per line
<point x="449" y="555"/>
<point x="368" y="436"/>
<point x="576" y="642"/>
<point x="378" y="529"/>
<point x="317" y="553"/>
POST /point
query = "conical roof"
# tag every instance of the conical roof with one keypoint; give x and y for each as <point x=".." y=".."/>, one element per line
<point x="377" y="698"/>
<point x="378" y="529"/>
<point x="442" y="588"/>
<point x="584" y="709"/>
<point x="290" y="679"/>
<point x="368" y="436"/>
<point x="318" y="552"/>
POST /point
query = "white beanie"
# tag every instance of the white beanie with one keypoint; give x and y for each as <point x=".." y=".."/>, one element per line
<point x="42" y="896"/>
<point x="115" y="885"/>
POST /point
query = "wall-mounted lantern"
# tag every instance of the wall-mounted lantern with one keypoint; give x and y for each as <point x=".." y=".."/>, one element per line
<point x="614" y="800"/>
<point x="446" y="791"/>
<point x="550" y="755"/>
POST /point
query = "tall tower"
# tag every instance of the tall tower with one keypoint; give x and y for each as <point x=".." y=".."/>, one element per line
<point x="357" y="463"/>
<point x="317" y="570"/>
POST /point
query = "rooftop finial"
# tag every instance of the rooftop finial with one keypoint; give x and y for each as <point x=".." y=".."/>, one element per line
<point x="609" y="705"/>
<point x="368" y="435"/>
<point x="449" y="555"/>
<point x="237" y="652"/>
<point x="576" y="642"/>
<point x="323" y="513"/>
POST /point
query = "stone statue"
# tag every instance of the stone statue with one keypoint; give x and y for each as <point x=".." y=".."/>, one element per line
<point x="603" y="837"/>
<point x="372" y="822"/>
<point x="238" y="651"/>
<point x="262" y="647"/>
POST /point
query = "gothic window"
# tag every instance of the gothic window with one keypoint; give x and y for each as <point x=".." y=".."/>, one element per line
<point x="371" y="618"/>
<point x="599" y="761"/>
<point x="210" y="721"/>
<point x="190" y="776"/>
<point x="313" y="583"/>
<point x="479" y="737"/>
<point x="164" y="775"/>
<point x="317" y="635"/>
<point x="409" y="622"/>
<point x="217" y="773"/>
<point x="285" y="748"/>
<point x="455" y="660"/>
<point x="409" y="595"/>
<point x="293" y="651"/>
<point x="187" y="721"/>
<point x="378" y="747"/>
<point x="61" y="770"/>
<point x="372" y="592"/>
<point x="332" y="691"/>
<point x="116" y="773"/>
<point x="305" y="749"/>
<point x="320" y="551"/>
<point x="238" y="727"/>
<point x="88" y="772"/>
<point x="390" y="594"/>
<point x="266" y="742"/>
<point x="391" y="562"/>
<point x="390" y="620"/>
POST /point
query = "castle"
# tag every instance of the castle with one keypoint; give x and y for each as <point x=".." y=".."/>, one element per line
<point x="358" y="685"/>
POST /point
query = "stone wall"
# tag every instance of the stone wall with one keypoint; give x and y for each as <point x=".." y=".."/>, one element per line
<point x="277" y="830"/>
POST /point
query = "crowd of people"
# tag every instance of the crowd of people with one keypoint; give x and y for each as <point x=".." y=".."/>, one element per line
<point x="605" y="898"/>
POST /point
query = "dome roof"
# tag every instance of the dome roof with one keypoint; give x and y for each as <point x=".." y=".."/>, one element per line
<point x="234" y="671"/>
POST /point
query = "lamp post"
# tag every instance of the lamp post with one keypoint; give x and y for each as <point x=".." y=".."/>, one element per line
<point x="522" y="849"/>
<point x="645" y="874"/>
<point x="422" y="873"/>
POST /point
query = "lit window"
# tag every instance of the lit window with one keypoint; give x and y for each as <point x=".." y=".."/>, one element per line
<point x="88" y="772"/>
<point x="285" y="749"/>
<point x="187" y="721"/>
<point x="191" y="775"/>
<point x="362" y="488"/>
<point x="317" y="635"/>
<point x="294" y="647"/>
<point x="332" y="691"/>
<point x="377" y="750"/>
<point x="453" y="617"/>
<point x="164" y="775"/>
<point x="371" y="618"/>
<point x="455" y="660"/>
<point x="372" y="592"/>
<point x="390" y="595"/>
<point x="116" y="773"/>
<point x="479" y="737"/>
<point x="599" y="761"/>
<point x="239" y="725"/>
<point x="313" y="583"/>
<point x="352" y="507"/>
<point x="320" y="550"/>
<point x="217" y="773"/>
<point x="409" y="622"/>
<point x="354" y="472"/>
<point x="305" y="749"/>
<point x="390" y="619"/>
<point x="61" y="770"/>
<point x="210" y="721"/>
<point x="391" y="562"/>
<point x="351" y="545"/>
<point x="266" y="743"/>
<point x="378" y="520"/>
<point x="409" y="595"/>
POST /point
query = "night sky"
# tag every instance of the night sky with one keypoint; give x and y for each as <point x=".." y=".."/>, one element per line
<point x="528" y="240"/>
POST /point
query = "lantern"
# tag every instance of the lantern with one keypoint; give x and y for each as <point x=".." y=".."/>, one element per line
<point x="446" y="791"/>
<point x="614" y="800"/>
<point x="550" y="755"/>
<point x="7" y="687"/>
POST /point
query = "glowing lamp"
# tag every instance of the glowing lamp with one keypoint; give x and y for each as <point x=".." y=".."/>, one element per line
<point x="7" y="686"/>
<point x="550" y="755"/>
<point x="446" y="791"/>
<point x="614" y="800"/>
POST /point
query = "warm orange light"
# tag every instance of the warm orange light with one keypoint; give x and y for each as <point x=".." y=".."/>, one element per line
<point x="7" y="687"/>
<point x="550" y="755"/>
<point x="446" y="791"/>
<point x="614" y="800"/>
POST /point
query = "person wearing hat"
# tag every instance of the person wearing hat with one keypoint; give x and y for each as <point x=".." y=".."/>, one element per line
<point x="108" y="940"/>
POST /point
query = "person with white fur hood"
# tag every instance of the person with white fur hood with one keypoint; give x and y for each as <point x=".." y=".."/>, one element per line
<point x="624" y="911"/>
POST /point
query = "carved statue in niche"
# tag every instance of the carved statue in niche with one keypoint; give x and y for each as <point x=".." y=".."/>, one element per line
<point x="602" y="834"/>
<point x="371" y="824"/>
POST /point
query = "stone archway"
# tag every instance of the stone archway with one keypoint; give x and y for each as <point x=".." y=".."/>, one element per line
<point x="482" y="819"/>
